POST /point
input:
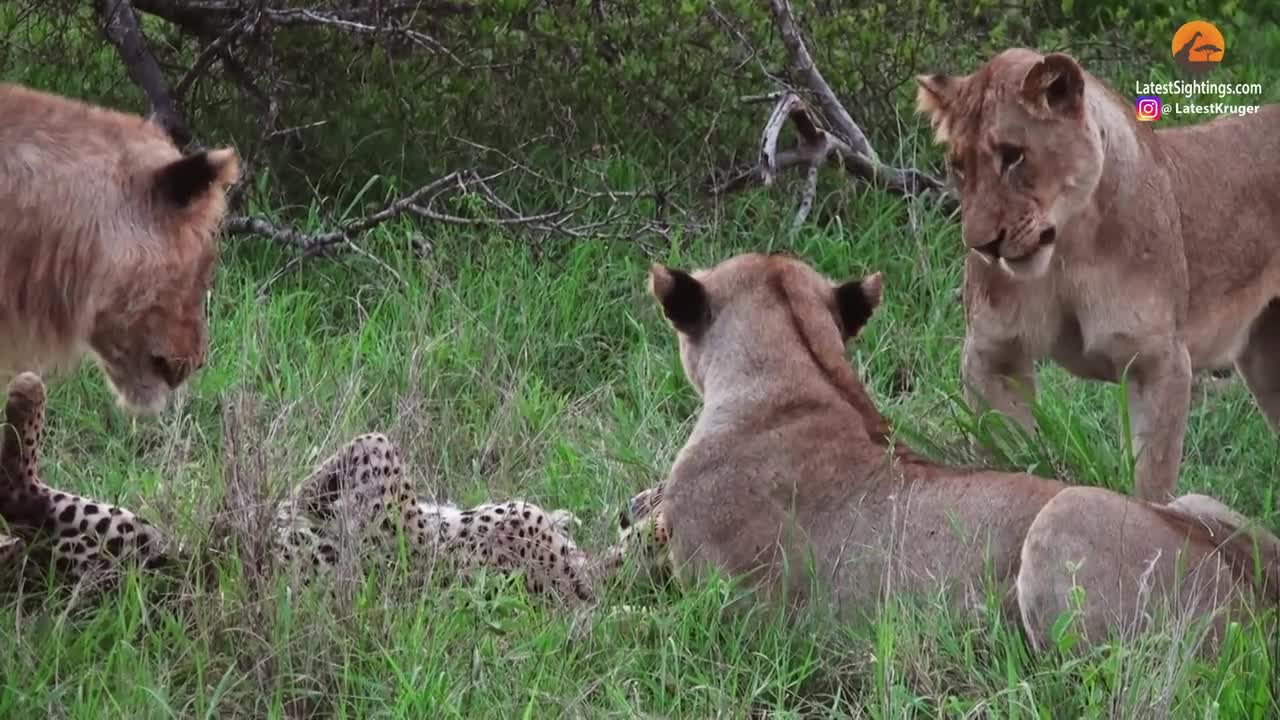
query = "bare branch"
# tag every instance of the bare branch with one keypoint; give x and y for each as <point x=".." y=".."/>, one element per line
<point x="801" y="64"/>
<point x="212" y="18"/>
<point x="816" y="145"/>
<point x="420" y="203"/>
<point x="806" y="200"/>
<point x="207" y="55"/>
<point x="769" y="139"/>
<point x="201" y="17"/>
<point x="761" y="97"/>
<point x="120" y="26"/>
<point x="209" y="17"/>
<point x="354" y="23"/>
<point x="314" y="243"/>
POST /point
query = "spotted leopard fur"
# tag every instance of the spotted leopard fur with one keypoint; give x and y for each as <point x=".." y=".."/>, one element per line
<point x="643" y="538"/>
<point x="361" y="498"/>
<point x="359" y="502"/>
<point x="78" y="535"/>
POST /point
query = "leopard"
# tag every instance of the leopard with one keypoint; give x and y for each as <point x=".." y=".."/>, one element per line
<point x="356" y="505"/>
<point x="795" y="486"/>
<point x="107" y="245"/>
<point x="360" y="501"/>
<point x="1120" y="251"/>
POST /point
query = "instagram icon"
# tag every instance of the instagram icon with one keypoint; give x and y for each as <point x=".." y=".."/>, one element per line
<point x="1149" y="108"/>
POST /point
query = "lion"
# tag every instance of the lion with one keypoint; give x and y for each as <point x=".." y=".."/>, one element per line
<point x="106" y="244"/>
<point x="791" y="482"/>
<point x="1111" y="247"/>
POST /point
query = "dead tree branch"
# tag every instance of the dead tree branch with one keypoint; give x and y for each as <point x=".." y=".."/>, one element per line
<point x="318" y="242"/>
<point x="239" y="39"/>
<point x="484" y="208"/>
<point x="211" y="50"/>
<point x="214" y="18"/>
<point x="816" y="145"/>
<point x="803" y="69"/>
<point x="120" y="26"/>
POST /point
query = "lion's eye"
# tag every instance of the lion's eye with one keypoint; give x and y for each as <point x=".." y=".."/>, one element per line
<point x="1010" y="157"/>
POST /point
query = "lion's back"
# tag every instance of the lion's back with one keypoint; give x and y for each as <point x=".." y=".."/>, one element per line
<point x="64" y="163"/>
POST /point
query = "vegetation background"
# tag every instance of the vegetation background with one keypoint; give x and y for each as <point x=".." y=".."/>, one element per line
<point x="511" y="356"/>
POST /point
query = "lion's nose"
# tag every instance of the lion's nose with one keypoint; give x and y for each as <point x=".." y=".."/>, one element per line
<point x="992" y="249"/>
<point x="173" y="370"/>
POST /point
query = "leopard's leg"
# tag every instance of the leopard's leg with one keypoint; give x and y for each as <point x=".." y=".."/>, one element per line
<point x="80" y="534"/>
<point x="299" y="543"/>
<point x="359" y="495"/>
<point x="643" y="538"/>
<point x="12" y="549"/>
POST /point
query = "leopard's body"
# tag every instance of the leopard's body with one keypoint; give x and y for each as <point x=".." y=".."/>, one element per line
<point x="357" y="505"/>
<point x="361" y="498"/>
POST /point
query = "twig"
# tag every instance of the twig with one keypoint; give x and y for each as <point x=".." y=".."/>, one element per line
<point x="420" y="203"/>
<point x="361" y="23"/>
<point x="806" y="201"/>
<point x="314" y="243"/>
<point x="206" y="56"/>
<point x="761" y="97"/>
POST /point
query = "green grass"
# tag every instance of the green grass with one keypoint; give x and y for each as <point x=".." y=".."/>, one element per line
<point x="507" y="367"/>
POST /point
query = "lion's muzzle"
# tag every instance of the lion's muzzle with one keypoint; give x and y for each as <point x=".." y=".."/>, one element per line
<point x="1003" y="249"/>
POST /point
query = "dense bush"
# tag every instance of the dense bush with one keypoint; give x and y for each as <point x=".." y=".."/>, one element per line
<point x="654" y="81"/>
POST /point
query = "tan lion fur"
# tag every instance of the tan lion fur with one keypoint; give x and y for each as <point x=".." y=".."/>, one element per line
<point x="1106" y="244"/>
<point x="107" y="243"/>
<point x="789" y="480"/>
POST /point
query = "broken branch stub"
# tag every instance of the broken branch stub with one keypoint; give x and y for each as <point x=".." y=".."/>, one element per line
<point x="817" y="144"/>
<point x="802" y="68"/>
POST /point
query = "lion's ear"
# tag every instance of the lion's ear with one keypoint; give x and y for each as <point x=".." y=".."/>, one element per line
<point x="683" y="298"/>
<point x="1055" y="84"/>
<point x="857" y="300"/>
<point x="935" y="95"/>
<point x="185" y="179"/>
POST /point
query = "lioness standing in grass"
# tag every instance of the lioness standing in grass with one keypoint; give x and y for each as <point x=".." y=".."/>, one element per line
<point x="1110" y="246"/>
<point x="789" y="478"/>
<point x="106" y="244"/>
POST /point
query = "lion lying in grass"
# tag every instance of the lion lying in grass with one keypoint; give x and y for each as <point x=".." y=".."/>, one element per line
<point x="1110" y="246"/>
<point x="789" y="468"/>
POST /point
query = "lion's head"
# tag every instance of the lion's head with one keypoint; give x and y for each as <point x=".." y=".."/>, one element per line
<point x="759" y="296"/>
<point x="1023" y="149"/>
<point x="109" y="244"/>
<point x="151" y="329"/>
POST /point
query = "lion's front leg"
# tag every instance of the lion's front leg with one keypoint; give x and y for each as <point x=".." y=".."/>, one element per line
<point x="1159" y="401"/>
<point x="1001" y="376"/>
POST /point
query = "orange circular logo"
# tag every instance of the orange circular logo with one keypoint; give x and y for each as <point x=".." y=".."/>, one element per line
<point x="1198" y="46"/>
